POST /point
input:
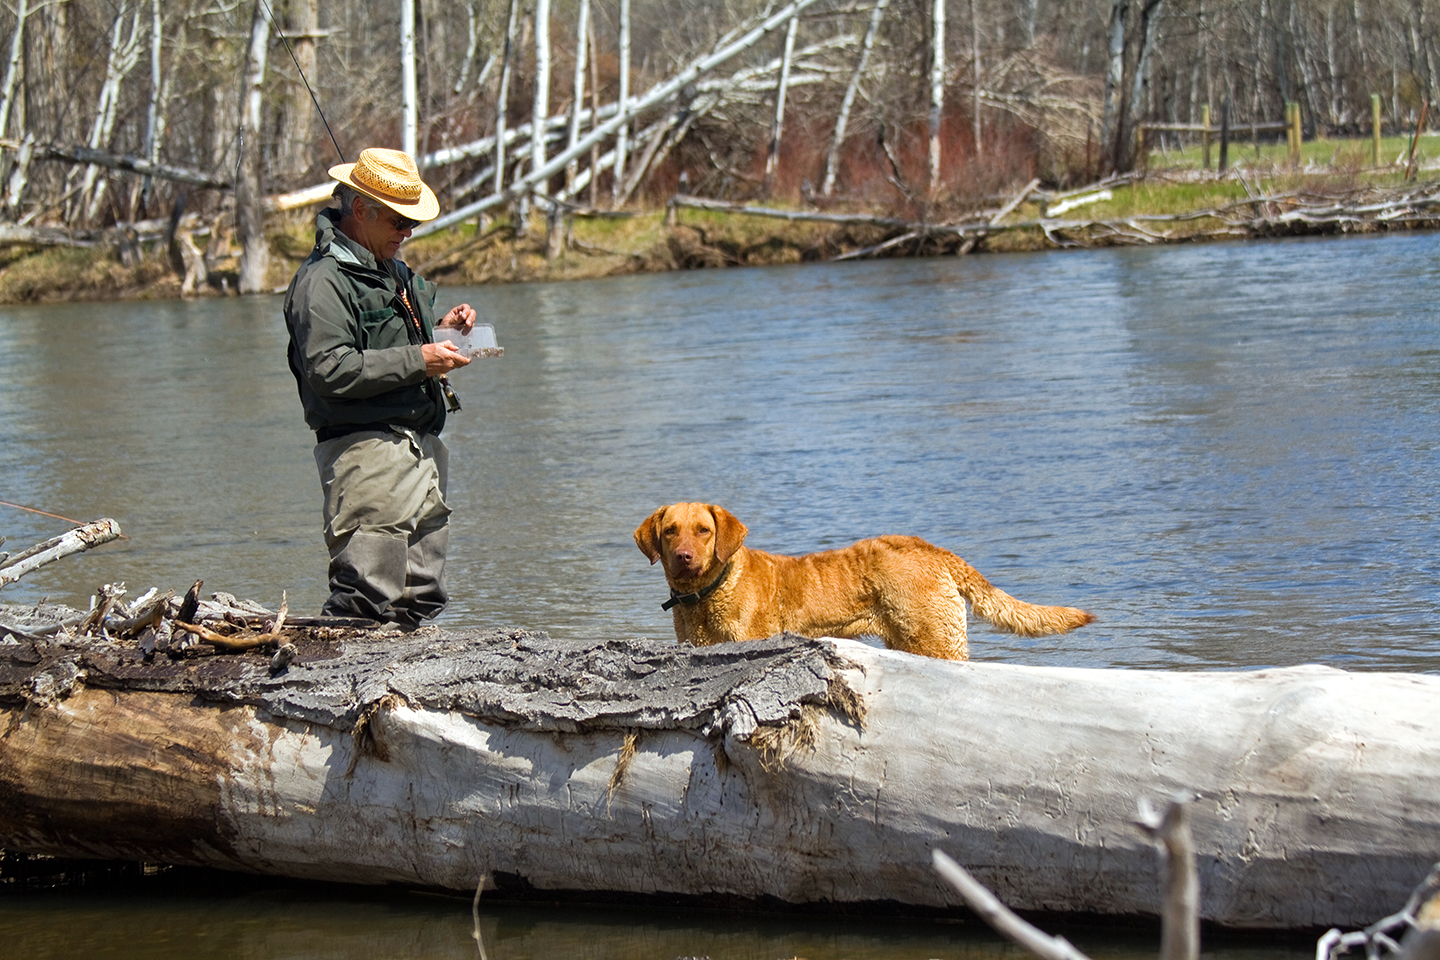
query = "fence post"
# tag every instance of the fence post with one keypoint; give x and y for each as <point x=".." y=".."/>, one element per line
<point x="1205" y="134"/>
<point x="1292" y="117"/>
<point x="1410" y="167"/>
<point x="1225" y="133"/>
<point x="1375" y="125"/>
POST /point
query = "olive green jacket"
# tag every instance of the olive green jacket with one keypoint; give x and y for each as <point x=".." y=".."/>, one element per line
<point x="353" y="357"/>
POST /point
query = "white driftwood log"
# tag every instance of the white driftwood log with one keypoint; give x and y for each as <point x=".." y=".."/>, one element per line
<point x="1317" y="791"/>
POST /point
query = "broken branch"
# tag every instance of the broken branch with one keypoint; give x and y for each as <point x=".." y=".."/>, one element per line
<point x="76" y="541"/>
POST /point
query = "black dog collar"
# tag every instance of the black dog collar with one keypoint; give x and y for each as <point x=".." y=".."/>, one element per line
<point x="691" y="599"/>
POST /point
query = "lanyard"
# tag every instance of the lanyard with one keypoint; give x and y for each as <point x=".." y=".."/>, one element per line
<point x="416" y="332"/>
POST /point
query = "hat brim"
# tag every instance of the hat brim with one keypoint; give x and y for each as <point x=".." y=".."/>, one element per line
<point x="423" y="208"/>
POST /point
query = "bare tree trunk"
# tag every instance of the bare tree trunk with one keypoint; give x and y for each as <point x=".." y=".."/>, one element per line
<point x="502" y="98"/>
<point x="937" y="88"/>
<point x="12" y="69"/>
<point x="19" y="176"/>
<point x="294" y="148"/>
<point x="249" y="197"/>
<point x="577" y="99"/>
<point x="1149" y="27"/>
<point x="7" y="99"/>
<point x="222" y="110"/>
<point x="1426" y="60"/>
<point x="1257" y="61"/>
<point x="975" y="128"/>
<point x="876" y="13"/>
<point x="658" y="94"/>
<point x="772" y="155"/>
<point x="473" y="26"/>
<point x="152" y="116"/>
<point x="622" y="133"/>
<point x="1360" y="42"/>
<point x="409" y="113"/>
<point x="521" y="214"/>
<point x="1303" y="60"/>
<point x="122" y="59"/>
<point x="540" y="110"/>
<point x="1337" y="95"/>
<point x="1110" y="125"/>
<point x="594" y="112"/>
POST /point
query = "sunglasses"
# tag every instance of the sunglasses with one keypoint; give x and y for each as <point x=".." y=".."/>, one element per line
<point x="402" y="224"/>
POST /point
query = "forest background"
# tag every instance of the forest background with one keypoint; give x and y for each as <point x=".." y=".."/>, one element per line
<point x="195" y="127"/>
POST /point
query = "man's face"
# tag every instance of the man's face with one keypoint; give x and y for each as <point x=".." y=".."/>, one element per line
<point x="383" y="235"/>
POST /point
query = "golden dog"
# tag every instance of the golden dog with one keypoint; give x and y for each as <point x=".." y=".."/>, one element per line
<point x="908" y="592"/>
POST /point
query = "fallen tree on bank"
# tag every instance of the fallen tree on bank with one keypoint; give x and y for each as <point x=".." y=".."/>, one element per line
<point x="805" y="771"/>
<point x="1260" y="215"/>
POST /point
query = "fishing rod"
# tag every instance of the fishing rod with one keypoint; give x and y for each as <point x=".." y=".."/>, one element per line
<point x="18" y="506"/>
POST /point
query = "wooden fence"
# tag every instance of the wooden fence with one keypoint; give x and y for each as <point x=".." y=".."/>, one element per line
<point x="1290" y="125"/>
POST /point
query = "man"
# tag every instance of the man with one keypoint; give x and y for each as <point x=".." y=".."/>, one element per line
<point x="374" y="391"/>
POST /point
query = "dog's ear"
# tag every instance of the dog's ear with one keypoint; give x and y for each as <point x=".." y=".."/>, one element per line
<point x="729" y="533"/>
<point x="647" y="535"/>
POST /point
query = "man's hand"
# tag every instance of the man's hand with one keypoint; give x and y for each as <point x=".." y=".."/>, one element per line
<point x="461" y="317"/>
<point x="442" y="357"/>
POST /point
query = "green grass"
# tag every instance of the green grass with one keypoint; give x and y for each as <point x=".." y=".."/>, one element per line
<point x="1339" y="154"/>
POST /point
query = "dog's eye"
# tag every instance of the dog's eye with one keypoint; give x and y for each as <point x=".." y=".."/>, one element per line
<point x="703" y="531"/>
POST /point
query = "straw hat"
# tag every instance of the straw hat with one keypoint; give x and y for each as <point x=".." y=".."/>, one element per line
<point x="391" y="177"/>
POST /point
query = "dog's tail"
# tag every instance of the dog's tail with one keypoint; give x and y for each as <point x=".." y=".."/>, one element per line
<point x="1004" y="611"/>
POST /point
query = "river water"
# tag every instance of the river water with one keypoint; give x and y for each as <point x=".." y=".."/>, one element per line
<point x="1229" y="453"/>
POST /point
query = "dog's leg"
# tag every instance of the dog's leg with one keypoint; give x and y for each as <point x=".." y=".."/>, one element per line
<point x="934" y="627"/>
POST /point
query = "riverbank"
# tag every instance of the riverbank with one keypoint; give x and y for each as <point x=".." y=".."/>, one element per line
<point x="1176" y="205"/>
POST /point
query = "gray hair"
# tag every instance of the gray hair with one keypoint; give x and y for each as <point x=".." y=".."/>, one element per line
<point x="347" y="195"/>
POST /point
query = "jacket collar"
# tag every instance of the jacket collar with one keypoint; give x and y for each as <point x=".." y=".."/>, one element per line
<point x="332" y="241"/>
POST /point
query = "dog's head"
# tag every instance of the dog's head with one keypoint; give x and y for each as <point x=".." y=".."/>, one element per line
<point x="690" y="539"/>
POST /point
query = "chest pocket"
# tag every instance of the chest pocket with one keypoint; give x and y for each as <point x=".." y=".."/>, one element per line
<point x="381" y="327"/>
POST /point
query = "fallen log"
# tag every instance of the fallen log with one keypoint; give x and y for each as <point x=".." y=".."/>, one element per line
<point x="89" y="155"/>
<point x="801" y="770"/>
<point x="812" y="216"/>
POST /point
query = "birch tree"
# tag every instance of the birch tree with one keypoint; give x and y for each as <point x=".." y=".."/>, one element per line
<point x="13" y="66"/>
<point x="975" y="75"/>
<point x="409" y="112"/>
<point x="937" y="88"/>
<point x="249" y="209"/>
<point x="540" y="109"/>
<point x="624" y="101"/>
<point x="772" y="156"/>
<point x="577" y="99"/>
<point x="293" y="150"/>
<point x="660" y="93"/>
<point x="153" y="118"/>
<point x="502" y="98"/>
<point x="1148" y="29"/>
<point x="124" y="54"/>
<point x="1114" y="80"/>
<point x="847" y="103"/>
